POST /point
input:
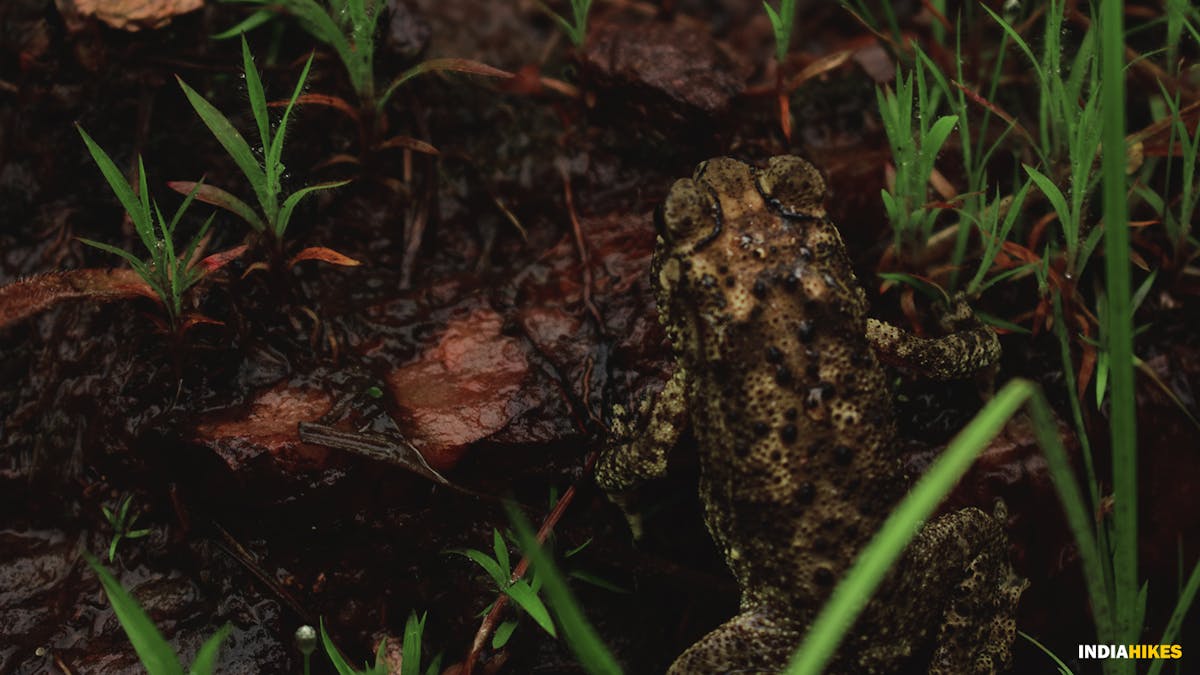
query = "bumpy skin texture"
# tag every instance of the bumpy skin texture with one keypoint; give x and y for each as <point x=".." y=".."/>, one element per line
<point x="795" y="433"/>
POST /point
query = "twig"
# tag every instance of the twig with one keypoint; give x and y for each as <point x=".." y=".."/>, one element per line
<point x="584" y="258"/>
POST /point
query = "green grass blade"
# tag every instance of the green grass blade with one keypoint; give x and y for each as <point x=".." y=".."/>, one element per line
<point x="183" y="207"/>
<point x="276" y="146"/>
<point x="1020" y="42"/>
<point x="488" y="564"/>
<point x="206" y="658"/>
<point x="116" y="181"/>
<point x="320" y="24"/>
<point x="234" y="144"/>
<point x="1079" y="517"/>
<point x="195" y="273"/>
<point x="1123" y="419"/>
<point x="579" y="634"/>
<point x="500" y="547"/>
<point x="339" y="662"/>
<point x="258" y="97"/>
<point x="1062" y="667"/>
<point x="1054" y="196"/>
<point x="1182" y="605"/>
<point x="289" y="204"/>
<point x="503" y="632"/>
<point x="411" y="645"/>
<point x="335" y="656"/>
<point x="245" y="25"/>
<point x="108" y="248"/>
<point x="152" y="649"/>
<point x="526" y="597"/>
<point x="854" y="591"/>
<point x="441" y="65"/>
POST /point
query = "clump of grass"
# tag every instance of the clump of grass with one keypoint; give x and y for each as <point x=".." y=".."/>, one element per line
<point x="169" y="274"/>
<point x="582" y="639"/>
<point x="524" y="591"/>
<point x="1178" y="220"/>
<point x="915" y="137"/>
<point x="152" y="649"/>
<point x="349" y="27"/>
<point x="265" y="175"/>
<point x="122" y="525"/>
<point x="576" y="28"/>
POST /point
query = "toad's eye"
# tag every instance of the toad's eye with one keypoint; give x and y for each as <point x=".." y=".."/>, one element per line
<point x="794" y="186"/>
<point x="684" y="212"/>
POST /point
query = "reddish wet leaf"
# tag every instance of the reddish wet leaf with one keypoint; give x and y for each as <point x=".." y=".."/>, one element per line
<point x="335" y="102"/>
<point x="324" y="255"/>
<point x="24" y="298"/>
<point x="267" y="426"/>
<point x="211" y="194"/>
<point x="220" y="259"/>
<point x="462" y="389"/>
<point x="192" y="320"/>
<point x="410" y="143"/>
<point x="455" y="65"/>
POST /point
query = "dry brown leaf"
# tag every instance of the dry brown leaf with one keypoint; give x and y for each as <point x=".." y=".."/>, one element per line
<point x="130" y="15"/>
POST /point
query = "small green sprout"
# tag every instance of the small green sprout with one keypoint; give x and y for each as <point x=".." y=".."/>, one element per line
<point x="264" y="176"/>
<point x="155" y="653"/>
<point x="122" y="525"/>
<point x="576" y="28"/>
<point x="524" y="592"/>
<point x="410" y="648"/>
<point x="579" y="634"/>
<point x="782" y="22"/>
<point x="168" y="274"/>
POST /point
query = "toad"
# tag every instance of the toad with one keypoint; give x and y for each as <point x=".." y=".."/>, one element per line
<point x="778" y="377"/>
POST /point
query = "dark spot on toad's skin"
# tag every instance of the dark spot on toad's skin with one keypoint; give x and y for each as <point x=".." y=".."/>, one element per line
<point x="788" y="433"/>
<point x="823" y="576"/>
<point x="804" y="331"/>
<point x="843" y="455"/>
<point x="783" y="376"/>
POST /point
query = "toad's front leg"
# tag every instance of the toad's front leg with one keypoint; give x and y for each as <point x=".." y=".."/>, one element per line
<point x="640" y="443"/>
<point x="968" y="348"/>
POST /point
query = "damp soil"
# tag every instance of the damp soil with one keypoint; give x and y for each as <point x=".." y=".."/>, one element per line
<point x="486" y="329"/>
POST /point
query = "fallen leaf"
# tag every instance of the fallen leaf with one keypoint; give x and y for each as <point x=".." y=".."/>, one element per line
<point x="462" y="389"/>
<point x="324" y="255"/>
<point x="22" y="299"/>
<point x="130" y="15"/>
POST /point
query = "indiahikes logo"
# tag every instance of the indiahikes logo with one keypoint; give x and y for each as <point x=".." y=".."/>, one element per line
<point x="1171" y="651"/>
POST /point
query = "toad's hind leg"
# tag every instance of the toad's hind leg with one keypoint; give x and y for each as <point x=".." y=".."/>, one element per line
<point x="966" y="554"/>
<point x="755" y="641"/>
